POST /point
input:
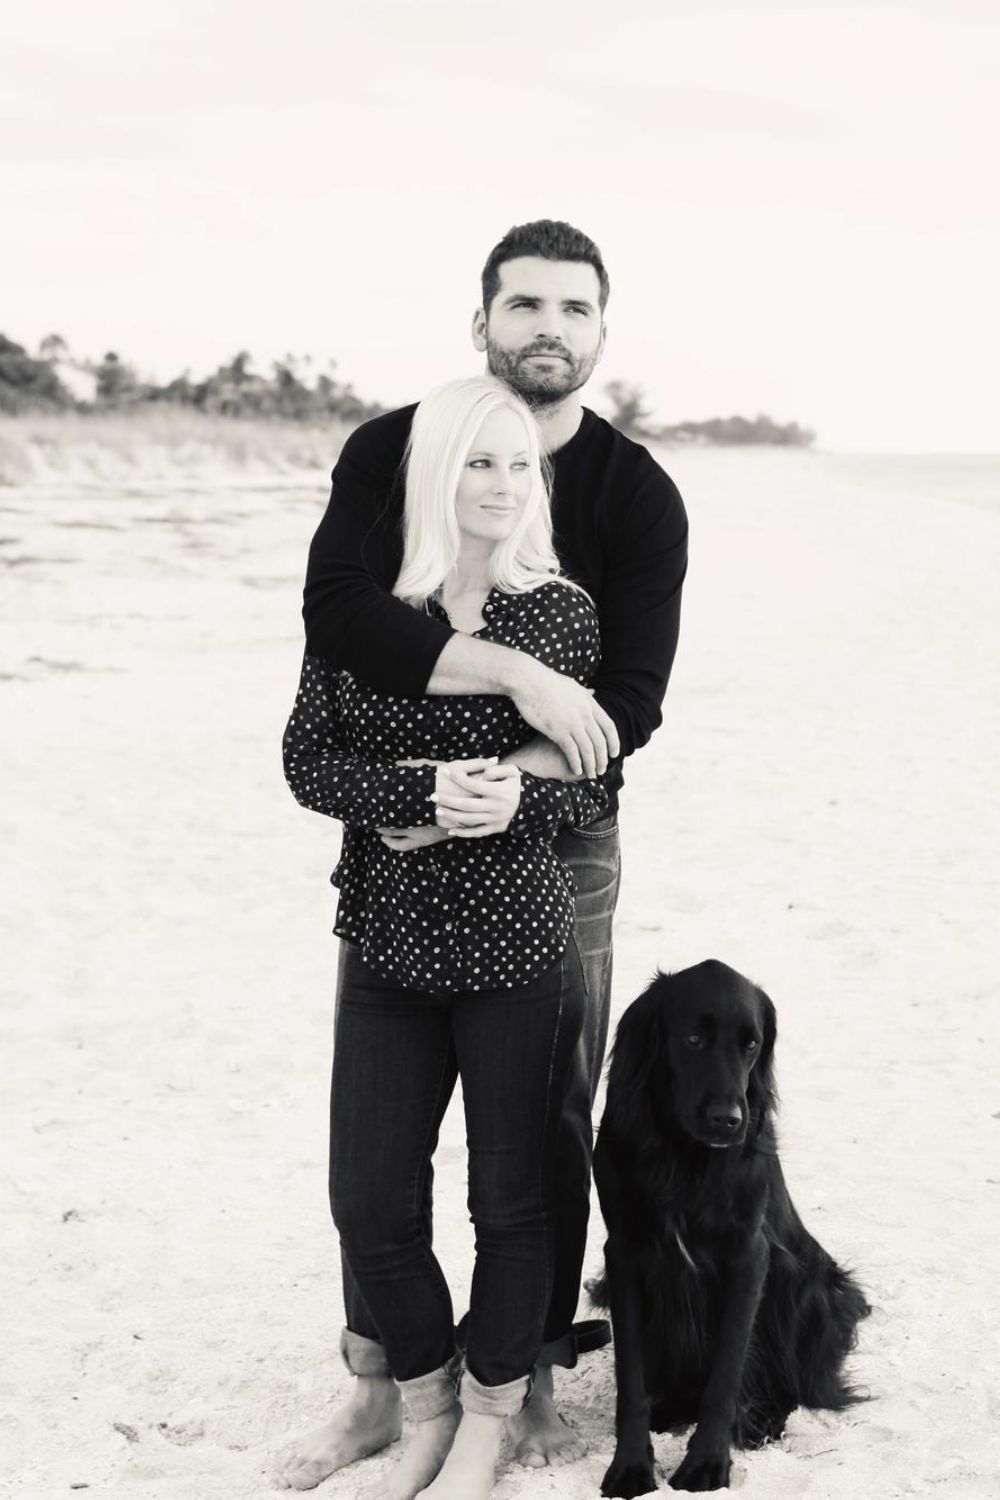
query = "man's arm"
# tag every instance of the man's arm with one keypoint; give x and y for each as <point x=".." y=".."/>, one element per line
<point x="353" y="620"/>
<point x="639" y="612"/>
<point x="557" y="706"/>
<point x="351" y="616"/>
<point x="640" y="608"/>
<point x="541" y="758"/>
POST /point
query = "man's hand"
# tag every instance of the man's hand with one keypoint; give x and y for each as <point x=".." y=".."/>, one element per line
<point x="405" y="839"/>
<point x="568" y="715"/>
<point x="474" y="801"/>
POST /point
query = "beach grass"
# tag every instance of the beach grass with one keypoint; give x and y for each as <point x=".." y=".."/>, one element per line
<point x="159" y="443"/>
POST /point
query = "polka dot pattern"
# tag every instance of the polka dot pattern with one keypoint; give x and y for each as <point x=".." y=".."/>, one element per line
<point x="466" y="913"/>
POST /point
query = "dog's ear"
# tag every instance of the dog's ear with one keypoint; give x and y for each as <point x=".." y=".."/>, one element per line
<point x="762" y="1094"/>
<point x="634" y="1055"/>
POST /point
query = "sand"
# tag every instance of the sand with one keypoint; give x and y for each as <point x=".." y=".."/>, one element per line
<point x="818" y="810"/>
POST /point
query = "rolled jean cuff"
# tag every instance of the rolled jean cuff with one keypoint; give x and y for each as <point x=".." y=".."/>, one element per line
<point x="562" y="1352"/>
<point x="427" y="1396"/>
<point x="494" y="1400"/>
<point x="363" y="1356"/>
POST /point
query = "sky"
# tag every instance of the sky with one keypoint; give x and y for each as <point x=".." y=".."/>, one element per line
<point x="797" y="204"/>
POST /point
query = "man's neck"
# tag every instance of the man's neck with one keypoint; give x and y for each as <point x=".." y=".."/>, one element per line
<point x="558" y="423"/>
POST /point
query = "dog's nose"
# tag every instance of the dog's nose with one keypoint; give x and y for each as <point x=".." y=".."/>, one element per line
<point x="725" y="1117"/>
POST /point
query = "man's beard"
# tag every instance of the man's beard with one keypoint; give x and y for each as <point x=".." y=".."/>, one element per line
<point x="539" y="386"/>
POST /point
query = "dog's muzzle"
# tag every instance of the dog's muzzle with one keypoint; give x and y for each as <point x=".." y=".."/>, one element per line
<point x="723" y="1125"/>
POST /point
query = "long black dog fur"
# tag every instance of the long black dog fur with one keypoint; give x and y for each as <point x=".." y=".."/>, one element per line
<point x="726" y="1311"/>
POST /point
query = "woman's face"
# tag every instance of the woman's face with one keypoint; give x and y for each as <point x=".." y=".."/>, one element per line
<point x="496" y="478"/>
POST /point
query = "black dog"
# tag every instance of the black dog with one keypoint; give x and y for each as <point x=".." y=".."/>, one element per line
<point x="726" y="1311"/>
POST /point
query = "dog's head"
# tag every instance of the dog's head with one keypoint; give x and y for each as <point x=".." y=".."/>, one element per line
<point x="694" y="1054"/>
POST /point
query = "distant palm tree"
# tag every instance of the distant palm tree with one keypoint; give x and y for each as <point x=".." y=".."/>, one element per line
<point x="629" y="411"/>
<point x="53" y="348"/>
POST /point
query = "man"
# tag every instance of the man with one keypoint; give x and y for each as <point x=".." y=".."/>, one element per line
<point x="620" y="531"/>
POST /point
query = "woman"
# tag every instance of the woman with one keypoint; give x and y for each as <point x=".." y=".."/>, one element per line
<point x="458" y="955"/>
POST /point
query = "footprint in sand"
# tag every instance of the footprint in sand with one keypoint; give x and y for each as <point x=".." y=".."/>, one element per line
<point x="810" y="1445"/>
<point x="183" y="1433"/>
<point x="834" y="929"/>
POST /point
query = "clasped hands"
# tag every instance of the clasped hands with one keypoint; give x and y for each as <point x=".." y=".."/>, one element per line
<point x="474" y="798"/>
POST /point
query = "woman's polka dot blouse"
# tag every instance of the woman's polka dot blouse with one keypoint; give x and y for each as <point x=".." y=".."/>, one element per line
<point x="462" y="914"/>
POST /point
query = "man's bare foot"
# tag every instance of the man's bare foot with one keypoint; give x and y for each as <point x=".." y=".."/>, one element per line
<point x="370" y="1420"/>
<point x="425" y="1451"/>
<point x="540" y="1434"/>
<point x="471" y="1467"/>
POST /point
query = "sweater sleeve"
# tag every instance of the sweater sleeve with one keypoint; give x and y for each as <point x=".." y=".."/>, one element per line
<point x="640" y="607"/>
<point x="547" y="805"/>
<point x="325" y="777"/>
<point x="351" y="617"/>
<point x="562" y="631"/>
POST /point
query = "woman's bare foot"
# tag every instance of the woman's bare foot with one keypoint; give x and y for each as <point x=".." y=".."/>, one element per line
<point x="425" y="1451"/>
<point x="540" y="1434"/>
<point x="471" y="1467"/>
<point x="370" y="1420"/>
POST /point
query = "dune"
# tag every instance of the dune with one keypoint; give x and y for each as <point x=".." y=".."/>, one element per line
<point x="160" y="445"/>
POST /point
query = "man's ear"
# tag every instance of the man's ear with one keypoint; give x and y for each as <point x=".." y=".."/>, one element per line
<point x="479" y="330"/>
<point x="601" y="344"/>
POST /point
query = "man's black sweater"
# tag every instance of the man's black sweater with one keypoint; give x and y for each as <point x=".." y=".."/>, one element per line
<point x="620" y="530"/>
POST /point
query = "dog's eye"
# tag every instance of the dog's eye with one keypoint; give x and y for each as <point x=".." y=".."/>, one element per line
<point x="752" y="1044"/>
<point x="694" y="1040"/>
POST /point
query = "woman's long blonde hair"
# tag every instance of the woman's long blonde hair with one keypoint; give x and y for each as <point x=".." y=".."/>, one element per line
<point x="444" y="429"/>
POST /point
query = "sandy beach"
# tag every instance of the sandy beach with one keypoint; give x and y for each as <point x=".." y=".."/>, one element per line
<point x="818" y="810"/>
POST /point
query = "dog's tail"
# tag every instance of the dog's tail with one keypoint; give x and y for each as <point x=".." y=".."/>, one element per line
<point x="597" y="1290"/>
<point x="829" y="1314"/>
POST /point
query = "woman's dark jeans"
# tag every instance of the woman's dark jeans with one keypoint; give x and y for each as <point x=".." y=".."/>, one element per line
<point x="594" y="859"/>
<point x="397" y="1053"/>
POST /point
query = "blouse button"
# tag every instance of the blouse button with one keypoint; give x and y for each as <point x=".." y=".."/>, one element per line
<point x="487" y="609"/>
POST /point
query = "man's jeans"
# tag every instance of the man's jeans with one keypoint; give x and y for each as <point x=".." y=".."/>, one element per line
<point x="593" y="856"/>
<point x="397" y="1052"/>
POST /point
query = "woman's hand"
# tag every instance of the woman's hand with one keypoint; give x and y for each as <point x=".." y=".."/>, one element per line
<point x="405" y="839"/>
<point x="475" y="799"/>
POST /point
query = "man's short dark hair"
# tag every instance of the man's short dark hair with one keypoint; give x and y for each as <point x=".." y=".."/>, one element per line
<point x="549" y="239"/>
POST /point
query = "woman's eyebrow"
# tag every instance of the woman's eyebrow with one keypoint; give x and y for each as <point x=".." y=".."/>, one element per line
<point x="485" y="453"/>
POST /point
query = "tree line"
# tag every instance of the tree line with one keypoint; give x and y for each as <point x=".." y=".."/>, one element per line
<point x="630" y="414"/>
<point x="291" y="390"/>
<point x="295" y="391"/>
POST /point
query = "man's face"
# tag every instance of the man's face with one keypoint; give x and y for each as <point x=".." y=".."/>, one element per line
<point x="544" y="333"/>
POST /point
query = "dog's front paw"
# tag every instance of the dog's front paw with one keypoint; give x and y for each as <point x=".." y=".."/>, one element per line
<point x="629" y="1476"/>
<point x="703" y="1468"/>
